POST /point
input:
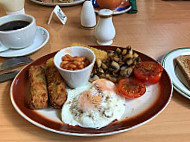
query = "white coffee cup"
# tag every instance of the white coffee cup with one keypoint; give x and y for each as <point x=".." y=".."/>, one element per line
<point x="20" y="38"/>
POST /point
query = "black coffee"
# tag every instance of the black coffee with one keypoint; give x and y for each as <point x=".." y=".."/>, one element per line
<point x="14" y="25"/>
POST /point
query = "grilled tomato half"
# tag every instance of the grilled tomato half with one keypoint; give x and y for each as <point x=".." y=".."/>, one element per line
<point x="148" y="72"/>
<point x="131" y="88"/>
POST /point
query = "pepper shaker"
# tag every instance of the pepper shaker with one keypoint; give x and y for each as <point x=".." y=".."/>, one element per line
<point x="105" y="31"/>
<point x="88" y="16"/>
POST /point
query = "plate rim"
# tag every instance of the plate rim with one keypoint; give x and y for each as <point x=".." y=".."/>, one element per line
<point x="60" y="4"/>
<point x="163" y="61"/>
<point x="34" y="50"/>
<point x="86" y="134"/>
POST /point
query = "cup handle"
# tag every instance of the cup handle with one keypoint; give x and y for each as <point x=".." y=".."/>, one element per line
<point x="2" y="47"/>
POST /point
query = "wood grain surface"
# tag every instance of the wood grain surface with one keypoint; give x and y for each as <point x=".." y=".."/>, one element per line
<point x="157" y="28"/>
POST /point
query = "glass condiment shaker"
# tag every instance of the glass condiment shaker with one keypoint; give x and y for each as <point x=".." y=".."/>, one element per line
<point x="105" y="31"/>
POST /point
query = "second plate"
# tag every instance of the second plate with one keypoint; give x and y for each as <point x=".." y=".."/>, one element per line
<point x="171" y="67"/>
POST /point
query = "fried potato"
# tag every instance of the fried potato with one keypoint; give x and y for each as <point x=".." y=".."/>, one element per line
<point x="38" y="95"/>
<point x="56" y="85"/>
<point x="100" y="54"/>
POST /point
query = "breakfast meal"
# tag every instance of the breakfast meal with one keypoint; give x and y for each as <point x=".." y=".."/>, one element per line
<point x="183" y="62"/>
<point x="74" y="63"/>
<point x="57" y="1"/>
<point x="38" y="94"/>
<point x="118" y="75"/>
<point x="56" y="85"/>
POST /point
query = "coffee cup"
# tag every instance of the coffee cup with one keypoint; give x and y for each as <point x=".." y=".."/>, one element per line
<point x="17" y="31"/>
<point x="109" y="4"/>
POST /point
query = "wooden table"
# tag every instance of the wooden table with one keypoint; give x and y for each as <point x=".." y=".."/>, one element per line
<point x="157" y="28"/>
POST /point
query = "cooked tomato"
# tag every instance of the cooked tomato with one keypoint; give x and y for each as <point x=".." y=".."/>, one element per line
<point x="131" y="88"/>
<point x="148" y="72"/>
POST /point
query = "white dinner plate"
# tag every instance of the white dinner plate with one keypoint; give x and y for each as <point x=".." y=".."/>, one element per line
<point x="76" y="2"/>
<point x="172" y="69"/>
<point x="139" y="111"/>
<point x="41" y="38"/>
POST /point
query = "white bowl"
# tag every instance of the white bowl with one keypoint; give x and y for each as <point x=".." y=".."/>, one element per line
<point x="80" y="77"/>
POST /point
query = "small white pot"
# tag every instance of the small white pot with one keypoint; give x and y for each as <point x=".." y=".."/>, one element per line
<point x="80" y="77"/>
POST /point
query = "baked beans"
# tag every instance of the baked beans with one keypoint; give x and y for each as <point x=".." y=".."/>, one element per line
<point x="74" y="63"/>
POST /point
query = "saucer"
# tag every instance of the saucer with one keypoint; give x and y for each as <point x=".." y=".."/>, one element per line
<point x="122" y="8"/>
<point x="41" y="38"/>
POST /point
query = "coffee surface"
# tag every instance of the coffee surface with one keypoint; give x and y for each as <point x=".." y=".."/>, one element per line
<point x="14" y="25"/>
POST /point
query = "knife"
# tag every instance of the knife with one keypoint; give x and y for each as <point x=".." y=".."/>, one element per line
<point x="8" y="75"/>
<point x="13" y="62"/>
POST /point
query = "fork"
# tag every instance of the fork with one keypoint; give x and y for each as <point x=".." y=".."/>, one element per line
<point x="13" y="62"/>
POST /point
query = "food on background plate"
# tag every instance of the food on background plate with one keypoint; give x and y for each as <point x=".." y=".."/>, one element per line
<point x="183" y="62"/>
<point x="93" y="106"/>
<point x="119" y="64"/>
<point x="131" y="88"/>
<point x="57" y="1"/>
<point x="148" y="72"/>
<point x="74" y="63"/>
<point x="108" y="4"/>
<point x="56" y="86"/>
<point x="38" y="94"/>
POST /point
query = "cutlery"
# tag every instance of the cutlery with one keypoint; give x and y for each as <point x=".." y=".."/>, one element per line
<point x="8" y="76"/>
<point x="13" y="62"/>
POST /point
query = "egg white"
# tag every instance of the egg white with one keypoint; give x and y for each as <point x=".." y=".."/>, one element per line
<point x="112" y="108"/>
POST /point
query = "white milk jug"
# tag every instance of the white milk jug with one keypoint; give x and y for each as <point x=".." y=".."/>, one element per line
<point x="13" y="6"/>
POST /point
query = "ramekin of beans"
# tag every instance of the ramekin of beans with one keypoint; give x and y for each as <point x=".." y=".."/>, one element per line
<point x="75" y="65"/>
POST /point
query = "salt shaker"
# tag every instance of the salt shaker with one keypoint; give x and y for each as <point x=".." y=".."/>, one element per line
<point x="88" y="16"/>
<point x="105" y="31"/>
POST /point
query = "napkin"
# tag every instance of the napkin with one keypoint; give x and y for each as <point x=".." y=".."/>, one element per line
<point x="133" y="10"/>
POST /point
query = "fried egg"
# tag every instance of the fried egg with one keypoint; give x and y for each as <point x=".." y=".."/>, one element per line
<point x="94" y="105"/>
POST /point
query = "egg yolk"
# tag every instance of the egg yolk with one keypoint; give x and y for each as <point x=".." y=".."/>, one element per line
<point x="87" y="101"/>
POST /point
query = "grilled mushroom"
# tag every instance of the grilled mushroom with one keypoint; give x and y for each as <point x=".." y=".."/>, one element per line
<point x="115" y="65"/>
<point x="120" y="63"/>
